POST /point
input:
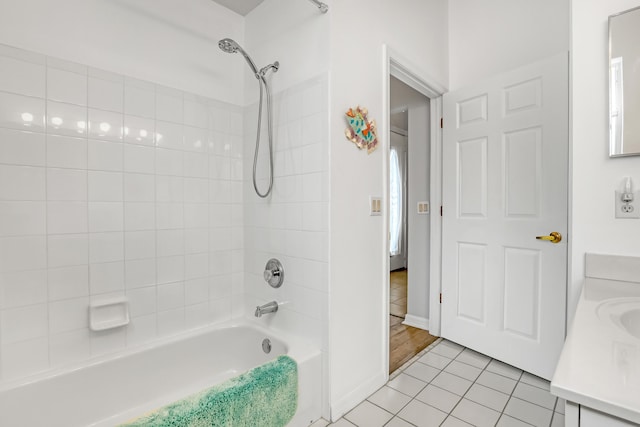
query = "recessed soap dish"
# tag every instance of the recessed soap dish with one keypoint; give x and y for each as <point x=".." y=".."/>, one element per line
<point x="108" y="314"/>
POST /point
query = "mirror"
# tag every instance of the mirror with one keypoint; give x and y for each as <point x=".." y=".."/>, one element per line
<point x="624" y="83"/>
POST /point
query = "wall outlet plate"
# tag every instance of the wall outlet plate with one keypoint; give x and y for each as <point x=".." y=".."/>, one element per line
<point x="628" y="209"/>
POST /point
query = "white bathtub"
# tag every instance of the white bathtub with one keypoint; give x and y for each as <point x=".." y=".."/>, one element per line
<point x="111" y="391"/>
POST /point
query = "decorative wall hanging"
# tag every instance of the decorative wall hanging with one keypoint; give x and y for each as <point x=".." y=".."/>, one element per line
<point x="361" y="131"/>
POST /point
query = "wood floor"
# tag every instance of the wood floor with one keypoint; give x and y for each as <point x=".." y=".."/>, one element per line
<point x="404" y="341"/>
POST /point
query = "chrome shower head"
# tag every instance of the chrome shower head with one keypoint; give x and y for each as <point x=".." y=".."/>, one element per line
<point x="231" y="46"/>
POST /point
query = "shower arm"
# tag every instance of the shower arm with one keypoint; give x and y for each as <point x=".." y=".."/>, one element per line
<point x="322" y="6"/>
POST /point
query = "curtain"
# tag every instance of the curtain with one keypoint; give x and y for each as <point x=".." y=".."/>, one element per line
<point x="395" y="204"/>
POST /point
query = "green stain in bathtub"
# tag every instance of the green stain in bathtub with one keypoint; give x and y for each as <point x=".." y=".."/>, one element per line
<point x="266" y="396"/>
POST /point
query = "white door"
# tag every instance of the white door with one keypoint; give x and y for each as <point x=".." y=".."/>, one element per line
<point x="505" y="171"/>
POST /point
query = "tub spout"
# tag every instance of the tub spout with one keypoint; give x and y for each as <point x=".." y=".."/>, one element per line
<point x="270" y="307"/>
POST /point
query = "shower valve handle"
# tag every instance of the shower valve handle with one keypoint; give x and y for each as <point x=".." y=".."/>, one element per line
<point x="273" y="273"/>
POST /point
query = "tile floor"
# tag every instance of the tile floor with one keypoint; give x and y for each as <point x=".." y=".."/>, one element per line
<point x="451" y="386"/>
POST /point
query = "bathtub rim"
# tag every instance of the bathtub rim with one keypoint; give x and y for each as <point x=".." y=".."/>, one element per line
<point x="298" y="348"/>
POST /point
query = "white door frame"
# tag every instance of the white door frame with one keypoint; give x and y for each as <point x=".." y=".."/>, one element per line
<point x="402" y="69"/>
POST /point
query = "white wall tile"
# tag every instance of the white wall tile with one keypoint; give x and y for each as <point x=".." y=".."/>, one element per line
<point x="169" y="106"/>
<point x="169" y="215"/>
<point x="195" y="112"/>
<point x="140" y="244"/>
<point x="195" y="139"/>
<point x="23" y="253"/>
<point x="196" y="315"/>
<point x="61" y="64"/>
<point x="139" y="159"/>
<point x="22" y="183"/>
<point x="68" y="282"/>
<point x="139" y="187"/>
<point x="170" y="296"/>
<point x="106" y="247"/>
<point x="67" y="217"/>
<point x="196" y="215"/>
<point x="22" y="218"/>
<point x="23" y="323"/>
<point x="23" y="288"/>
<point x="169" y="188"/>
<point x="170" y="242"/>
<point x="170" y="269"/>
<point x="196" y="165"/>
<point x="22" y="112"/>
<point x="69" y="347"/>
<point x="105" y="125"/>
<point x="68" y="315"/>
<point x="67" y="250"/>
<point x="23" y="358"/>
<point x="196" y="240"/>
<point x="169" y="162"/>
<point x="22" y="148"/>
<point x="25" y="78"/>
<point x="171" y="322"/>
<point x="142" y="302"/>
<point x="196" y="266"/>
<point x="196" y="291"/>
<point x="105" y="186"/>
<point x="66" y="184"/>
<point x="140" y="273"/>
<point x="168" y="135"/>
<point x="66" y="152"/>
<point x="106" y="342"/>
<point x="139" y="216"/>
<point x="105" y="155"/>
<point x="106" y="216"/>
<point x="139" y="130"/>
<point x="139" y="98"/>
<point x="66" y="119"/>
<point x="220" y="310"/>
<point x="106" y="277"/>
<point x="66" y="86"/>
<point x="196" y="190"/>
<point x="141" y="330"/>
<point x="106" y="94"/>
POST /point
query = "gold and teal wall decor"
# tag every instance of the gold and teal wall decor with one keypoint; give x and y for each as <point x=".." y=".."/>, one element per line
<point x="361" y="130"/>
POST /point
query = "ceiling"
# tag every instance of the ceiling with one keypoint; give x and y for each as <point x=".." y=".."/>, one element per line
<point x="240" y="6"/>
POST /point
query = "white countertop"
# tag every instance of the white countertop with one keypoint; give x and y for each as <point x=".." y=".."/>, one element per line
<point x="600" y="362"/>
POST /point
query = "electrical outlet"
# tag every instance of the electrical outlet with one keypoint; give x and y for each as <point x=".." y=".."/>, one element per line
<point x="627" y="204"/>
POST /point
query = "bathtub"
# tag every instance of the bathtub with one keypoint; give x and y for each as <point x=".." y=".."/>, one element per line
<point x="110" y="391"/>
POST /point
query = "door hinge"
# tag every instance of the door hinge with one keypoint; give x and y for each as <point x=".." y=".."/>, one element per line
<point x="440" y="297"/>
<point x="441" y="122"/>
<point x="440" y="210"/>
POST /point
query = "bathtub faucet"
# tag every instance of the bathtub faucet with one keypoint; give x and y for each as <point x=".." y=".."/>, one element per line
<point x="270" y="307"/>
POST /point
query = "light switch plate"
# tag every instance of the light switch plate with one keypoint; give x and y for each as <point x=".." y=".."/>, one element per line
<point x="375" y="206"/>
<point x="422" y="208"/>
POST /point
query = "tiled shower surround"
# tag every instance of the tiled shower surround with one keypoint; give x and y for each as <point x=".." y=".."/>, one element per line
<point x="111" y="186"/>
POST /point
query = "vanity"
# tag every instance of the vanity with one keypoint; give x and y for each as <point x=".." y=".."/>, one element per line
<point x="598" y="373"/>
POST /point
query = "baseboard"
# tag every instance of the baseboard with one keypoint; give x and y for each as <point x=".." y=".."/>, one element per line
<point x="351" y="400"/>
<point x="416" y="322"/>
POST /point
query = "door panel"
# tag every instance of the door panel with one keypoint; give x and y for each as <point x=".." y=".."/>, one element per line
<point x="505" y="163"/>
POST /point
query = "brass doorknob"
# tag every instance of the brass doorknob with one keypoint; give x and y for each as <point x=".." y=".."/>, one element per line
<point x="553" y="237"/>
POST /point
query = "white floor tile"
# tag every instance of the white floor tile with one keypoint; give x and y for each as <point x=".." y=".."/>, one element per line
<point x="342" y="423"/>
<point x="320" y="423"/>
<point x="560" y="406"/>
<point x="454" y="422"/>
<point x="407" y="384"/>
<point x="473" y="358"/>
<point x="496" y="382"/>
<point x="452" y="383"/>
<point x="487" y="397"/>
<point x="528" y="412"/>
<point x="389" y="399"/>
<point x="463" y="370"/>
<point x="479" y="415"/>
<point x="535" y="395"/>
<point x="398" y="422"/>
<point x="422" y="372"/>
<point x="368" y="414"/>
<point x="447" y="349"/>
<point x="507" y="421"/>
<point x="535" y="381"/>
<point x="435" y="360"/>
<point x="558" y="420"/>
<point x="505" y="370"/>
<point x="438" y="398"/>
<point x="422" y="415"/>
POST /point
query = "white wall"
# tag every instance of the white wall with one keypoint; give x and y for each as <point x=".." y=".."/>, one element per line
<point x="164" y="41"/>
<point x="595" y="175"/>
<point x="416" y="30"/>
<point x="487" y="37"/>
<point x="419" y="228"/>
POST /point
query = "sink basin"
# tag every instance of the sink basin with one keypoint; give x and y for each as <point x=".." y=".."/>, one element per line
<point x="623" y="313"/>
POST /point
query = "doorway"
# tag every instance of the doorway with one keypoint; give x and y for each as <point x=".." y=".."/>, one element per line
<point x="409" y="186"/>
